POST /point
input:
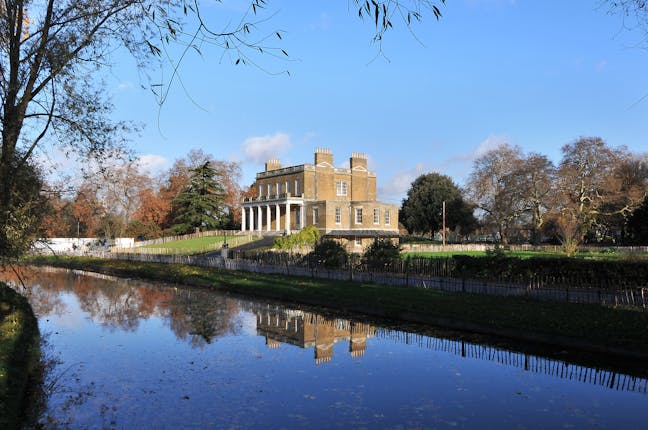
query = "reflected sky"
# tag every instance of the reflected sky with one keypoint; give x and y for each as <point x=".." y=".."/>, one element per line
<point x="138" y="355"/>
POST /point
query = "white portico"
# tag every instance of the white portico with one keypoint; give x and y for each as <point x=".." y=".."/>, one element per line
<point x="273" y="213"/>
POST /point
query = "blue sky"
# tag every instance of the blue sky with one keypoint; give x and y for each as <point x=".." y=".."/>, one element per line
<point x="534" y="73"/>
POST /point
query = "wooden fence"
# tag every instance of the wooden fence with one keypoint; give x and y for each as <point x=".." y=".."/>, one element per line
<point x="540" y="288"/>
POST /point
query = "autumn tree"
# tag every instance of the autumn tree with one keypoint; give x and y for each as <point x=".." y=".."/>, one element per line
<point x="59" y="220"/>
<point x="421" y="210"/>
<point x="88" y="209"/>
<point x="122" y="187"/>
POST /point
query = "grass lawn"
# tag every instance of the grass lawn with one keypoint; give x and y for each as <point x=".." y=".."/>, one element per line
<point x="526" y="254"/>
<point x="191" y="245"/>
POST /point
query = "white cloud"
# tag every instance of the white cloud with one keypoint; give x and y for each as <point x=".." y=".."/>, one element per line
<point x="122" y="86"/>
<point x="488" y="144"/>
<point x="153" y="163"/>
<point x="259" y="149"/>
<point x="397" y="186"/>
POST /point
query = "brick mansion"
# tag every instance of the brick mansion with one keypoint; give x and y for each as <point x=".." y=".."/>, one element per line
<point x="340" y="202"/>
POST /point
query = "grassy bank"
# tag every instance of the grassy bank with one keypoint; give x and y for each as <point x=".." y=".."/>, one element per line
<point x="594" y="328"/>
<point x="19" y="353"/>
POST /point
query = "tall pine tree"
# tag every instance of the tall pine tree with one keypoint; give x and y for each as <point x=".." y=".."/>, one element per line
<point x="201" y="205"/>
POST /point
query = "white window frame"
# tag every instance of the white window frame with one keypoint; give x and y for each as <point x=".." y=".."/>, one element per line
<point x="341" y="188"/>
<point x="376" y="213"/>
<point x="358" y="215"/>
<point x="315" y="215"/>
<point x="387" y="217"/>
<point x="338" y="215"/>
<point x="358" y="242"/>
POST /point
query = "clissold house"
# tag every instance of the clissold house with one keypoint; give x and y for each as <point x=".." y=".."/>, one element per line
<point x="340" y="202"/>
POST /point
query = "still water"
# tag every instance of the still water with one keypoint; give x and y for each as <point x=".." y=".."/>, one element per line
<point x="134" y="355"/>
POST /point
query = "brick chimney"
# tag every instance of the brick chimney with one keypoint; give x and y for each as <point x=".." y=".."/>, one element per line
<point x="323" y="155"/>
<point x="358" y="160"/>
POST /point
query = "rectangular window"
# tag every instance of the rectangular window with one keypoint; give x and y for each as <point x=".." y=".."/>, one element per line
<point x="358" y="213"/>
<point x="315" y="215"/>
<point x="387" y="217"/>
<point x="338" y="216"/>
<point x="287" y="186"/>
<point x="376" y="216"/>
<point x="358" y="242"/>
<point x="298" y="190"/>
<point x="269" y="190"/>
<point x="278" y="188"/>
<point x="341" y="188"/>
<point x="260" y="190"/>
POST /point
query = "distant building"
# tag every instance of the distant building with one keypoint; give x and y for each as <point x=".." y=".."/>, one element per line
<point x="340" y="202"/>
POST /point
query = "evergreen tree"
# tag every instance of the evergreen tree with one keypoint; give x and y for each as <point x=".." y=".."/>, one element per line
<point x="421" y="211"/>
<point x="201" y="205"/>
<point x="638" y="224"/>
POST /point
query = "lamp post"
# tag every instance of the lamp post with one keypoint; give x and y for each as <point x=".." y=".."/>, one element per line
<point x="444" y="225"/>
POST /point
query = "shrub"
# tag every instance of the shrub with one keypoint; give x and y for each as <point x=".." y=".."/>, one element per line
<point x="329" y="253"/>
<point x="306" y="238"/>
<point x="381" y="254"/>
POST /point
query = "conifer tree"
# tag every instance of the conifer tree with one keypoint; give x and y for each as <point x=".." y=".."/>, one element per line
<point x="201" y="205"/>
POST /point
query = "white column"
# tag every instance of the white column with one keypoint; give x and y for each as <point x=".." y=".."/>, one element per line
<point x="269" y="216"/>
<point x="251" y="218"/>
<point x="301" y="216"/>
<point x="287" y="218"/>
<point x="278" y="211"/>
<point x="259" y="219"/>
<point x="243" y="226"/>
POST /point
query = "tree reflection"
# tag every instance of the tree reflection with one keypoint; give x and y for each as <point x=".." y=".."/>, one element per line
<point x="193" y="315"/>
<point x="202" y="317"/>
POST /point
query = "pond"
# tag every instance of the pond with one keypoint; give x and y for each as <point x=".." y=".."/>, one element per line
<point x="131" y="354"/>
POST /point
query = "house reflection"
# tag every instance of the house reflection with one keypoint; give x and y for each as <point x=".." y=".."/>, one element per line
<point x="310" y="330"/>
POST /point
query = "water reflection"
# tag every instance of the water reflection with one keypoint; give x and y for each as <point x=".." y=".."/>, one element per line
<point x="311" y="330"/>
<point x="138" y="355"/>
<point x="194" y="315"/>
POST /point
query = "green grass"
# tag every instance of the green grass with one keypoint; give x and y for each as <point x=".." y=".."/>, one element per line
<point x="527" y="254"/>
<point x="19" y="354"/>
<point x="424" y="254"/>
<point x="197" y="245"/>
<point x="591" y="327"/>
<point x="190" y="245"/>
